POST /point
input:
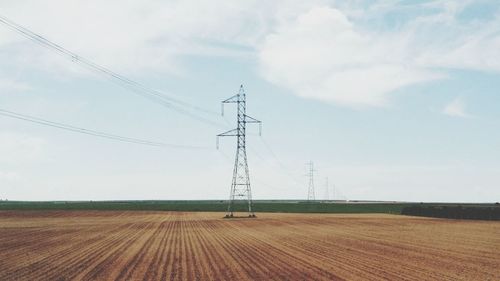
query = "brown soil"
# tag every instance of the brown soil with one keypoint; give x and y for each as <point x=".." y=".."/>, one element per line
<point x="95" y="245"/>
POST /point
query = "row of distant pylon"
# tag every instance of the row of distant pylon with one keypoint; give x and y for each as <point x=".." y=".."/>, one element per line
<point x="311" y="196"/>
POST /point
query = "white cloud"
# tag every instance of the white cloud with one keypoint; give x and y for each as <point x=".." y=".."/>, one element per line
<point x="456" y="108"/>
<point x="345" y="53"/>
<point x="321" y="55"/>
<point x="134" y="36"/>
<point x="324" y="55"/>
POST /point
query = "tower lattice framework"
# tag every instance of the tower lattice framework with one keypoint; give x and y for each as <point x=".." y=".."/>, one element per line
<point x="310" y="191"/>
<point x="327" y="189"/>
<point x="240" y="185"/>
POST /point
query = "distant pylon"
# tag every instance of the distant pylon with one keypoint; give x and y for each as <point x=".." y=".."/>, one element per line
<point x="310" y="174"/>
<point x="327" y="191"/>
<point x="240" y="186"/>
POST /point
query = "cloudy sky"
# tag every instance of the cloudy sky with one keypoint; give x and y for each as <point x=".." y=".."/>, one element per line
<point x="392" y="100"/>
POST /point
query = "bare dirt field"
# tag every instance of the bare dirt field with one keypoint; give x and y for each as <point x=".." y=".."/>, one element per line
<point x="111" y="245"/>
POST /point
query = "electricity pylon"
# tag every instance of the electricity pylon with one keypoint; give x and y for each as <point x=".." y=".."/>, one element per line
<point x="327" y="190"/>
<point x="240" y="186"/>
<point x="310" y="174"/>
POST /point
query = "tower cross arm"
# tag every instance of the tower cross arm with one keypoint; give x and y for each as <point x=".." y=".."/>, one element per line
<point x="230" y="133"/>
<point x="249" y="119"/>
<point x="232" y="99"/>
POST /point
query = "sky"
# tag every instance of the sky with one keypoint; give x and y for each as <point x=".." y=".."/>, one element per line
<point x="392" y="100"/>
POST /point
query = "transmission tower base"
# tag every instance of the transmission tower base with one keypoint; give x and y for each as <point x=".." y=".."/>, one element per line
<point x="231" y="216"/>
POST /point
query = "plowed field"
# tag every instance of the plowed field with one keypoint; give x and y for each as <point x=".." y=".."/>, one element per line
<point x="97" y="245"/>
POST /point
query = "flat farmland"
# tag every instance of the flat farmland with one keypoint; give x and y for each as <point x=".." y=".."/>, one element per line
<point x="142" y="245"/>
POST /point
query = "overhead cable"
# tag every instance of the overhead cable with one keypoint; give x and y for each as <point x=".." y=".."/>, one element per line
<point x="75" y="129"/>
<point x="136" y="87"/>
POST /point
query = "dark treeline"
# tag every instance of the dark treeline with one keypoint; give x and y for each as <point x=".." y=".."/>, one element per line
<point x="454" y="212"/>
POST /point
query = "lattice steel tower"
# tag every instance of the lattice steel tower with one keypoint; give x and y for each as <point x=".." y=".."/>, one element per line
<point x="327" y="189"/>
<point x="240" y="186"/>
<point x="310" y="174"/>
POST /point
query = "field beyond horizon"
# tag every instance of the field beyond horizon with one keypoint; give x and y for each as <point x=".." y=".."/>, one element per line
<point x="146" y="245"/>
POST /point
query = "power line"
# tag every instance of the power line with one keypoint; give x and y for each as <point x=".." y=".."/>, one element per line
<point x="283" y="169"/>
<point x="135" y="87"/>
<point x="273" y="166"/>
<point x="75" y="129"/>
<point x="282" y="166"/>
<point x="229" y="160"/>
